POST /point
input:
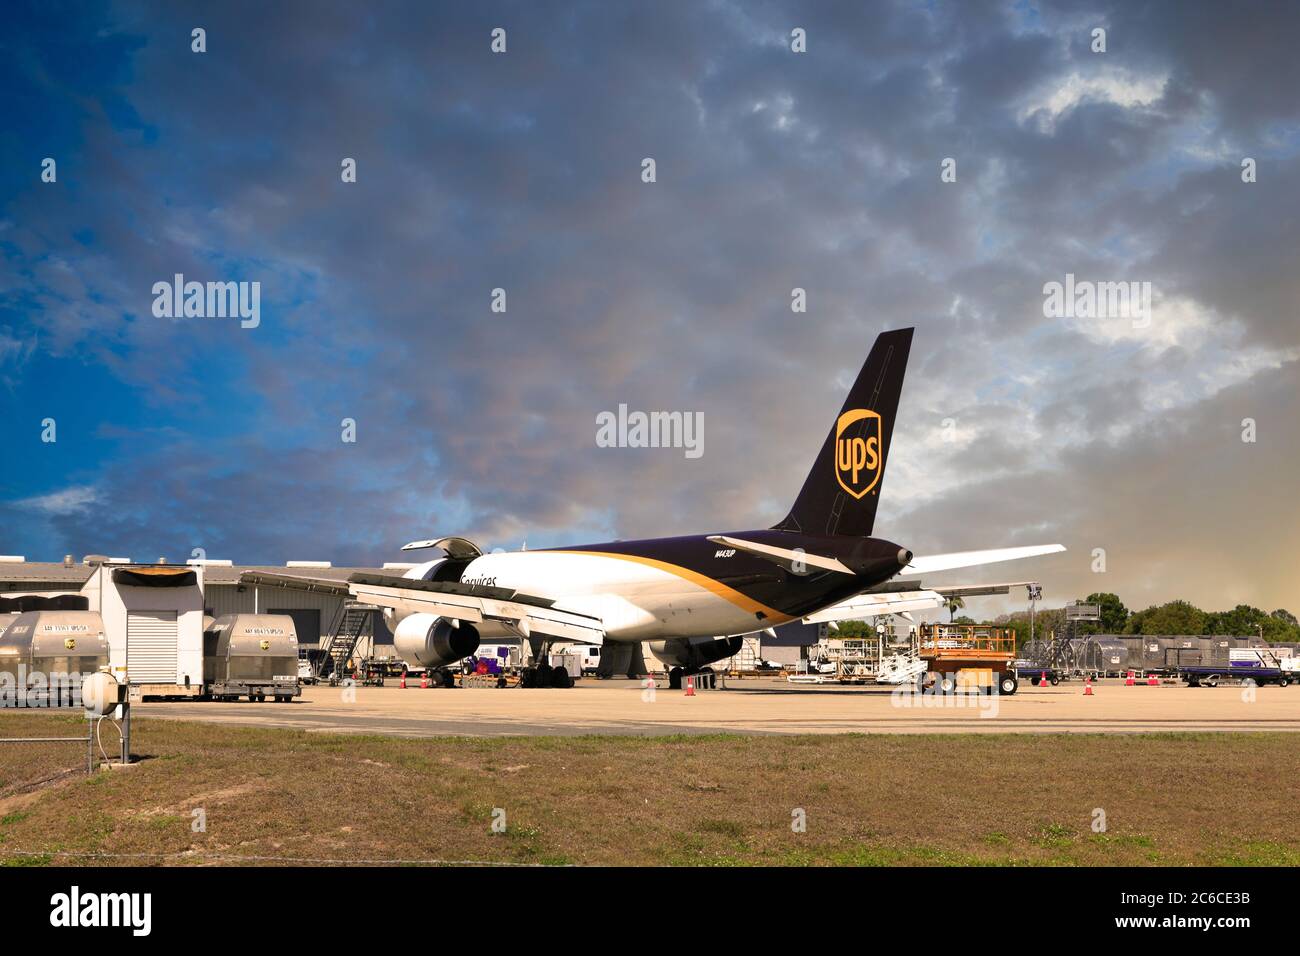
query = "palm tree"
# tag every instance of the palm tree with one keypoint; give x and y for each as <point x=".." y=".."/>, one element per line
<point x="953" y="604"/>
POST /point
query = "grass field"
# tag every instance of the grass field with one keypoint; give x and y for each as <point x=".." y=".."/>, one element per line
<point x="283" y="795"/>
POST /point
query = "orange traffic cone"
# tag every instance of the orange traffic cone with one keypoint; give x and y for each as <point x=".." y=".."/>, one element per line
<point x="690" y="687"/>
<point x="1087" y="687"/>
<point x="1042" y="679"/>
<point x="1153" y="681"/>
<point x="424" y="680"/>
<point x="402" y="683"/>
<point x="1128" y="681"/>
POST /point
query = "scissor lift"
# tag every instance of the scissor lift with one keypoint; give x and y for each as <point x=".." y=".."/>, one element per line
<point x="968" y="657"/>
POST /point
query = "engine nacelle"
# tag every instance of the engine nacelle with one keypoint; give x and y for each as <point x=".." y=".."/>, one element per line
<point x="427" y="640"/>
<point x="693" y="653"/>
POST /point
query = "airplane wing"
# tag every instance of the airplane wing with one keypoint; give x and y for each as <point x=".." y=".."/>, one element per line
<point x="300" y="581"/>
<point x="929" y="564"/>
<point x="873" y="604"/>
<point x="785" y="557"/>
<point x="475" y="603"/>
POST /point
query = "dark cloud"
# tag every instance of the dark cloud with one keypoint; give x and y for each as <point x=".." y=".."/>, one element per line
<point x="775" y="170"/>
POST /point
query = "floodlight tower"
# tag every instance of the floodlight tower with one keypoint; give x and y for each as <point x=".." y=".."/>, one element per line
<point x="1035" y="595"/>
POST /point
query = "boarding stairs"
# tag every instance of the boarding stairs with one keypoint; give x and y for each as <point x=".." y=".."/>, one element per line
<point x="353" y="621"/>
<point x="900" y="669"/>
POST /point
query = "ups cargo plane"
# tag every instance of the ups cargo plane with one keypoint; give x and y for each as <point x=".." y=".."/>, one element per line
<point x="691" y="597"/>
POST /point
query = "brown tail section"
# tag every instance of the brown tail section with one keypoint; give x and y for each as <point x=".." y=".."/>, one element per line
<point x="840" y="494"/>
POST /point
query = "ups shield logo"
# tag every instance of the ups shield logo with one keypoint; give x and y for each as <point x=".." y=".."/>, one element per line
<point x="70" y="643"/>
<point x="264" y="645"/>
<point x="857" y="451"/>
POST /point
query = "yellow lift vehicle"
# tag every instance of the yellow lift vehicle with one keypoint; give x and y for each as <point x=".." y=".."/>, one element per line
<point x="968" y="657"/>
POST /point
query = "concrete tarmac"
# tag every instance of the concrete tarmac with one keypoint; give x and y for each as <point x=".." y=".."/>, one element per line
<point x="752" y="706"/>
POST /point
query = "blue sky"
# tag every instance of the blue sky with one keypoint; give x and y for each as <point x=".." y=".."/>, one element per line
<point x="775" y="170"/>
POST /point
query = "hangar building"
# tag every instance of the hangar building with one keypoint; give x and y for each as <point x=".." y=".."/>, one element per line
<point x="314" y="612"/>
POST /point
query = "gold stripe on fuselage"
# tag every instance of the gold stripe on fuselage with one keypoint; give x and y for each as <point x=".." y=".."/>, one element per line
<point x="771" y="615"/>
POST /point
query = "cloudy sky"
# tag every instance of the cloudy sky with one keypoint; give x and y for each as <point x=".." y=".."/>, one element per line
<point x="775" y="170"/>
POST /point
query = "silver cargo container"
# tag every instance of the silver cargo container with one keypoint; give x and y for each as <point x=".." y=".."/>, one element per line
<point x="1113" y="656"/>
<point x="251" y="655"/>
<point x="40" y="650"/>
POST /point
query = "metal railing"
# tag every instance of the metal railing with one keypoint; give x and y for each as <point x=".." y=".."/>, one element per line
<point x="93" y="722"/>
<point x="941" y="637"/>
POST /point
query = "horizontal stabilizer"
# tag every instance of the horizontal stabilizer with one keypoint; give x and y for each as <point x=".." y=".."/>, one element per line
<point x="788" y="558"/>
<point x="980" y="590"/>
<point x="873" y="605"/>
<point x="929" y="564"/>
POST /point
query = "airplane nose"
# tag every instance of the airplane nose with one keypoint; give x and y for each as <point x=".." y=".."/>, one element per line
<point x="904" y="557"/>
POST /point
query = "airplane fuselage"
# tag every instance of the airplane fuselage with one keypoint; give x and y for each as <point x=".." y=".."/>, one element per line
<point x="690" y="586"/>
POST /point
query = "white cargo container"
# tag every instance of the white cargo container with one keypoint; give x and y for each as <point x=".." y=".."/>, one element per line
<point x="1267" y="657"/>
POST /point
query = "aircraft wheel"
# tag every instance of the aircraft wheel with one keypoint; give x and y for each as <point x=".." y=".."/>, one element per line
<point x="675" y="679"/>
<point x="1008" y="685"/>
<point x="560" y="678"/>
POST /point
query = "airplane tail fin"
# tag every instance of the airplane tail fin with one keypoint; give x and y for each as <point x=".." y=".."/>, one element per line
<point x="840" y="494"/>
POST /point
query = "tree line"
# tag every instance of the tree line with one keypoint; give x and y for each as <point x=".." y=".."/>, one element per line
<point x="1176" y="617"/>
<point x="1173" y="617"/>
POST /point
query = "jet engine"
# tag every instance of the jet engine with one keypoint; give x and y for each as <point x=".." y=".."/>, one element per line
<point x="427" y="640"/>
<point x="693" y="653"/>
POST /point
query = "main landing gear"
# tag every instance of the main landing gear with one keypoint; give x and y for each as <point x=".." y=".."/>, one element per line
<point x="544" y="675"/>
<point x="705" y="678"/>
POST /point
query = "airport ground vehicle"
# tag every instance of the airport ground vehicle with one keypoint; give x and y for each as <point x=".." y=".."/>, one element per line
<point x="1258" y="664"/>
<point x="964" y="657"/>
<point x="1029" y="672"/>
<point x="589" y="655"/>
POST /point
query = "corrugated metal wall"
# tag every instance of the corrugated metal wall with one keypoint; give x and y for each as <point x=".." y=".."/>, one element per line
<point x="228" y="599"/>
